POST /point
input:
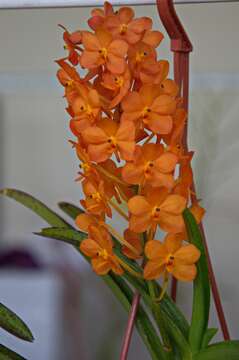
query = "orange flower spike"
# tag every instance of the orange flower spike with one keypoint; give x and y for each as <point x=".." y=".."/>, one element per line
<point x="171" y="257"/>
<point x="158" y="207"/>
<point x="118" y="84"/>
<point x="151" y="166"/>
<point x="151" y="108"/>
<point x="124" y="27"/>
<point x="108" y="138"/>
<point x="134" y="240"/>
<point x="96" y="201"/>
<point x="102" y="49"/>
<point x="99" y="247"/>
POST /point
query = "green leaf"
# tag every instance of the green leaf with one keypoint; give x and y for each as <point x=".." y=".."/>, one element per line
<point x="220" y="351"/>
<point x="36" y="206"/>
<point x="7" y="354"/>
<point x="208" y="336"/>
<point x="201" y="286"/>
<point x="70" y="209"/>
<point x="70" y="236"/>
<point x="10" y="322"/>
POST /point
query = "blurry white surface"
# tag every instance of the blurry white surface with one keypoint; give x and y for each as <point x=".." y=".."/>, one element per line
<point x="36" y="301"/>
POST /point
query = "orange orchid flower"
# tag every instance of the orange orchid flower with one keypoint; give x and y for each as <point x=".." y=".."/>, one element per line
<point x="157" y="207"/>
<point x="71" y="44"/>
<point x="134" y="240"/>
<point x="110" y="137"/>
<point x="98" y="16"/>
<point x="152" y="166"/>
<point x="124" y="27"/>
<point x="102" y="49"/>
<point x="138" y="56"/>
<point x="96" y="201"/>
<point x="118" y="84"/>
<point x="99" y="247"/>
<point x="86" y="107"/>
<point x="148" y="106"/>
<point x="171" y="257"/>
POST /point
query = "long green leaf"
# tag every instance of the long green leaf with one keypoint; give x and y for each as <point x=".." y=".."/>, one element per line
<point x="201" y="286"/>
<point x="208" y="336"/>
<point x="7" y="354"/>
<point x="10" y="322"/>
<point x="36" y="206"/>
<point x="70" y="209"/>
<point x="220" y="351"/>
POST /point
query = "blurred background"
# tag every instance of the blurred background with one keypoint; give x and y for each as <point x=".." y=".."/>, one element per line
<point x="71" y="313"/>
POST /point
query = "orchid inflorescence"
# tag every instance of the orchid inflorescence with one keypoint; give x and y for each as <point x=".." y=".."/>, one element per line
<point x="128" y="121"/>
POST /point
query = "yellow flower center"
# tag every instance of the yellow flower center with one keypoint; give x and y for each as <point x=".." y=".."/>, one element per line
<point x="69" y="83"/>
<point x="119" y="81"/>
<point x="140" y="56"/>
<point x="96" y="196"/>
<point x="103" y="52"/>
<point x="156" y="212"/>
<point x="123" y="29"/>
<point x="112" y="141"/>
<point x="85" y="167"/>
<point x="148" y="167"/>
<point x="169" y="260"/>
<point x="146" y="112"/>
<point x="104" y="254"/>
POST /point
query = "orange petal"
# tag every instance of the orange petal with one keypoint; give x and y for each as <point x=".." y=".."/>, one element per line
<point x="90" y="59"/>
<point x="118" y="48"/>
<point x="141" y="24"/>
<point x="153" y="38"/>
<point x="164" y="105"/>
<point x="154" y="249"/>
<point x="126" y="149"/>
<point x="100" y="266"/>
<point x="115" y="64"/>
<point x="90" y="41"/>
<point x="125" y="14"/>
<point x="138" y="205"/>
<point x="160" y="124"/>
<point x="153" y="270"/>
<point x="83" y="221"/>
<point x="166" y="162"/>
<point x="173" y="242"/>
<point x="171" y="223"/>
<point x="185" y="272"/>
<point x="174" y="204"/>
<point x="132" y="103"/>
<point x="90" y="247"/>
<point x="100" y="153"/>
<point x="187" y="254"/>
<point x="133" y="174"/>
<point x="94" y="135"/>
<point x="141" y="223"/>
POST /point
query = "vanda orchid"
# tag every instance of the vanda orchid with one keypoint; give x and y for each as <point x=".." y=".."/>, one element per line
<point x="127" y="123"/>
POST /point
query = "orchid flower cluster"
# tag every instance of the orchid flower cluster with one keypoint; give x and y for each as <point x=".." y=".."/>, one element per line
<point x="128" y="121"/>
